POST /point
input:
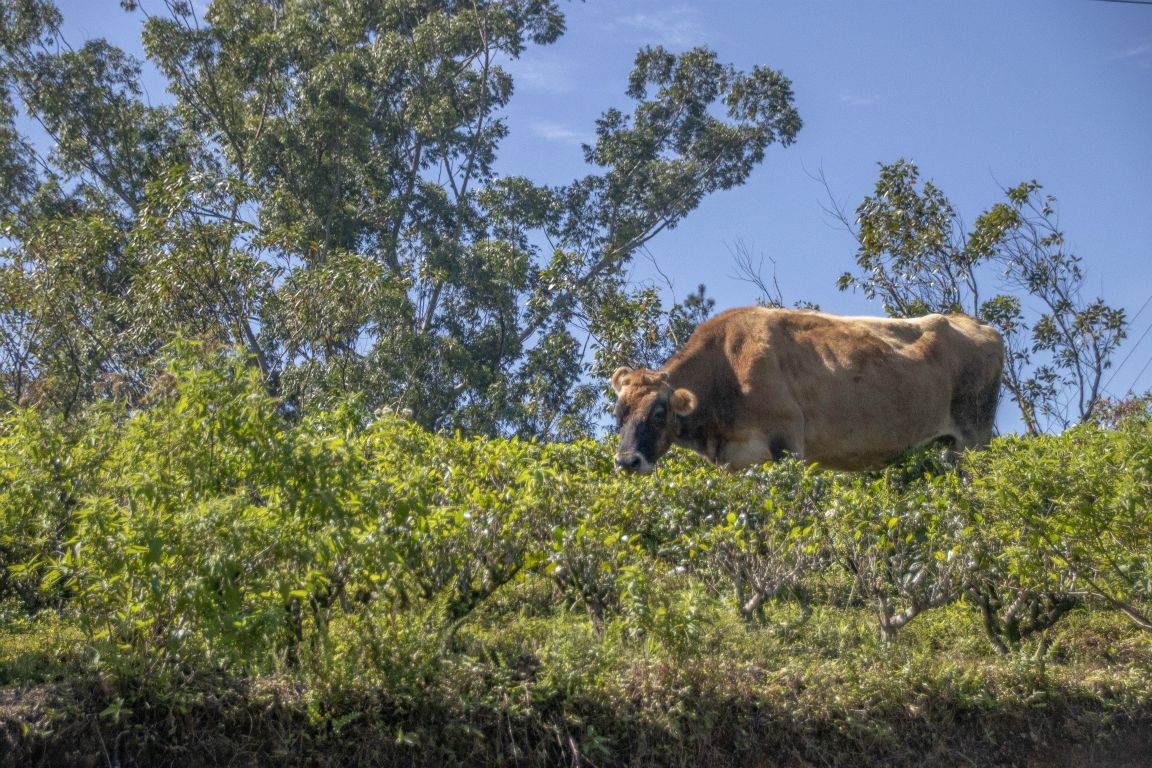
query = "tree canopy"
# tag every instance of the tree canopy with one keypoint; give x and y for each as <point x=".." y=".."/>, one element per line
<point x="320" y="191"/>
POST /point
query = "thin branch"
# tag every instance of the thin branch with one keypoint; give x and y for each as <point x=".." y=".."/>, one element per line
<point x="748" y="272"/>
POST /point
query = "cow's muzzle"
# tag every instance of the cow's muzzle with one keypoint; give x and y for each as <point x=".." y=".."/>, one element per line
<point x="633" y="461"/>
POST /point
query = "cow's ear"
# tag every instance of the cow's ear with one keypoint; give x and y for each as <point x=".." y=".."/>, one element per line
<point x="683" y="402"/>
<point x="618" y="378"/>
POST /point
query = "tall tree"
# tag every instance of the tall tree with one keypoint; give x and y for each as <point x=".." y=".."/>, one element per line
<point x="322" y="192"/>
<point x="68" y="212"/>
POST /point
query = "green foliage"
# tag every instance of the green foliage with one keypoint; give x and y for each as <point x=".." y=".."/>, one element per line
<point x="916" y="256"/>
<point x="211" y="531"/>
<point x="760" y="535"/>
<point x="321" y="192"/>
<point x="903" y="541"/>
<point x="910" y="255"/>
<point x="409" y="579"/>
<point x="48" y="467"/>
<point x="1072" y="516"/>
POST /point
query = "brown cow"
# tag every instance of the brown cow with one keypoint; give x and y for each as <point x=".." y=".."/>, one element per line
<point x="852" y="393"/>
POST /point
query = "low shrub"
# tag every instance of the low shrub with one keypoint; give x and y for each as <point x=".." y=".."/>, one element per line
<point x="216" y="535"/>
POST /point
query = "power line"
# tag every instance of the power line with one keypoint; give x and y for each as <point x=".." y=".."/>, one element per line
<point x="1143" y="306"/>
<point x="1137" y="379"/>
<point x="1135" y="346"/>
<point x="1127" y="2"/>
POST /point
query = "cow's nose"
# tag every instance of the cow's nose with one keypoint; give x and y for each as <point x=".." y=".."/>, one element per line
<point x="628" y="461"/>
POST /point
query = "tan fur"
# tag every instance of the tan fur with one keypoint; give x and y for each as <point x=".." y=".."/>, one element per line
<point x="845" y="392"/>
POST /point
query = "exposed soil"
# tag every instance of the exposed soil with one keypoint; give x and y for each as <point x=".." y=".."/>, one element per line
<point x="62" y="725"/>
<point x="1131" y="747"/>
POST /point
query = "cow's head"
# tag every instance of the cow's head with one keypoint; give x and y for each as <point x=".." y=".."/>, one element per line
<point x="648" y="413"/>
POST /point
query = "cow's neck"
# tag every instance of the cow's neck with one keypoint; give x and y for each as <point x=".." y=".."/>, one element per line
<point x="707" y="439"/>
<point x="706" y="430"/>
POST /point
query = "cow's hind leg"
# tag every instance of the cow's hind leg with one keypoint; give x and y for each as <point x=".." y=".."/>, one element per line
<point x="974" y="414"/>
<point x="782" y="446"/>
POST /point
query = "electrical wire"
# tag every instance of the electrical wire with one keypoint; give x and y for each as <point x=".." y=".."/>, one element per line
<point x="1135" y="346"/>
<point x="1133" y="387"/>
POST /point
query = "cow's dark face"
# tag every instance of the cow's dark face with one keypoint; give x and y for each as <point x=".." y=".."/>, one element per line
<point x="648" y="413"/>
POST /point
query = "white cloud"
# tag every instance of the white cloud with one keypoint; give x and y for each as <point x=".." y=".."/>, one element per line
<point x="1137" y="50"/>
<point x="669" y="26"/>
<point x="551" y="77"/>
<point x="560" y="133"/>
<point x="1140" y="54"/>
<point x="858" y="99"/>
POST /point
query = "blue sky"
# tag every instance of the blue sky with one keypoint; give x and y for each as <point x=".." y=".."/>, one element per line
<point x="981" y="94"/>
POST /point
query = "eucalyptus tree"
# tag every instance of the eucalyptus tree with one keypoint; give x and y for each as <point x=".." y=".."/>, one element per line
<point x="67" y="273"/>
<point x="322" y="191"/>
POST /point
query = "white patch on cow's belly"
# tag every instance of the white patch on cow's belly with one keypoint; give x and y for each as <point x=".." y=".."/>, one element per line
<point x="749" y="452"/>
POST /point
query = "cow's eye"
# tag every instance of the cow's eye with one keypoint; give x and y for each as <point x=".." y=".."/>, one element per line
<point x="659" y="412"/>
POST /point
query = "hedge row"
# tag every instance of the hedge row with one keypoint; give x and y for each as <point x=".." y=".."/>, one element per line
<point x="214" y="532"/>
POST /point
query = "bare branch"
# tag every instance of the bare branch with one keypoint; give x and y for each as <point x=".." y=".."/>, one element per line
<point x="750" y="270"/>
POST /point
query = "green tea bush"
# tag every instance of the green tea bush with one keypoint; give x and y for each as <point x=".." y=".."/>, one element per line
<point x="903" y="542"/>
<point x="1064" y="517"/>
<point x="47" y="465"/>
<point x="195" y="533"/>
<point x="756" y="535"/>
<point x="216" y="532"/>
